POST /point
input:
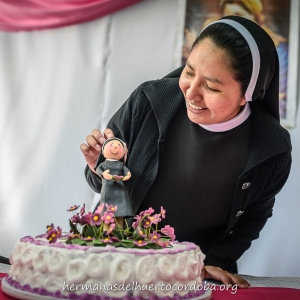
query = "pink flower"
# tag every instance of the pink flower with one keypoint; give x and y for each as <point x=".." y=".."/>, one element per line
<point x="169" y="231"/>
<point x="99" y="209"/>
<point x="59" y="233"/>
<point x="140" y="243"/>
<point x="163" y="212"/>
<point x="82" y="210"/>
<point x="110" y="239"/>
<point x="52" y="236"/>
<point x="146" y="222"/>
<point x="111" y="228"/>
<point x="155" y="237"/>
<point x="75" y="219"/>
<point x="108" y="218"/>
<point x="155" y="219"/>
<point x="50" y="227"/>
<point x="111" y="208"/>
<point x="137" y="222"/>
<point x="85" y="219"/>
<point x="74" y="207"/>
<point x="140" y="232"/>
<point x="163" y="244"/>
<point x="95" y="219"/>
<point x="149" y="211"/>
<point x="87" y="239"/>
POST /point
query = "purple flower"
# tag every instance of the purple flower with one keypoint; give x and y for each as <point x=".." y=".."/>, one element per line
<point x="140" y="243"/>
<point x="75" y="219"/>
<point x="111" y="228"/>
<point x="82" y="210"/>
<point x="50" y="227"/>
<point x="59" y="233"/>
<point x="108" y="218"/>
<point x="155" y="237"/>
<point x="155" y="219"/>
<point x="95" y="219"/>
<point x="74" y="207"/>
<point x="52" y="236"/>
<point x="111" y="208"/>
<point x="163" y="212"/>
<point x="169" y="231"/>
<point x="99" y="209"/>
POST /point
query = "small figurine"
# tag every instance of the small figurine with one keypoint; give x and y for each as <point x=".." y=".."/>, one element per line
<point x="114" y="173"/>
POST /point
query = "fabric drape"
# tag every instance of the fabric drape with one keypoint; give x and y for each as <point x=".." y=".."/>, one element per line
<point x="26" y="15"/>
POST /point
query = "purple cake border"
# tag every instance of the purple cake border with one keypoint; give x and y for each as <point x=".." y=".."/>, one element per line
<point x="85" y="296"/>
<point x="108" y="248"/>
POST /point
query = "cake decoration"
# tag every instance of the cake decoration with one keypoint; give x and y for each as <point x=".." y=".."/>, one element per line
<point x="88" y="229"/>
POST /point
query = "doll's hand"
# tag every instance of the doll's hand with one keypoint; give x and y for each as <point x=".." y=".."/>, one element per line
<point x="106" y="175"/>
<point x="127" y="176"/>
<point x="92" y="149"/>
<point x="210" y="272"/>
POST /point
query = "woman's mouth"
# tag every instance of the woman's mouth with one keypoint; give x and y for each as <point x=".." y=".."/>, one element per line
<point x="114" y="153"/>
<point x="196" y="108"/>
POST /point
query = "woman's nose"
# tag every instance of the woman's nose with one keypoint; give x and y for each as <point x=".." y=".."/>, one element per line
<point x="193" y="92"/>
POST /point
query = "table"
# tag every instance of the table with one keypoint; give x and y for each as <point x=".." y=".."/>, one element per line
<point x="263" y="288"/>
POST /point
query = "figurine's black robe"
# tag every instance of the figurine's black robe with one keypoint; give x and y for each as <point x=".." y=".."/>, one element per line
<point x="114" y="192"/>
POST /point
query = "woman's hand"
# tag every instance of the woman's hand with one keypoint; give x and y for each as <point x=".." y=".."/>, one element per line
<point x="210" y="272"/>
<point x="92" y="148"/>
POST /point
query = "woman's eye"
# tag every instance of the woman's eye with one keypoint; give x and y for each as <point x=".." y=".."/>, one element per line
<point x="188" y="73"/>
<point x="213" y="90"/>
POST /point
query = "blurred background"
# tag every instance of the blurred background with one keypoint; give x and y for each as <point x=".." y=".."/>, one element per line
<point x="64" y="70"/>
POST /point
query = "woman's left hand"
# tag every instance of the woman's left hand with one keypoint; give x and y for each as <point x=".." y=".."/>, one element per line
<point x="127" y="176"/>
<point x="216" y="273"/>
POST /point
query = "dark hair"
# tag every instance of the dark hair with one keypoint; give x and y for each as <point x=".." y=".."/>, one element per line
<point x="225" y="37"/>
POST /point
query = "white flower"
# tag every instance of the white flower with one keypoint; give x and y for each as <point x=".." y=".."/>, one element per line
<point x="120" y="269"/>
<point x="165" y="267"/>
<point x="97" y="265"/>
<point x="28" y="254"/>
<point x="194" y="267"/>
<point x="163" y="290"/>
<point x="181" y="267"/>
<point x="57" y="262"/>
<point x="145" y="270"/>
<point x="40" y="262"/>
<point x="76" y="271"/>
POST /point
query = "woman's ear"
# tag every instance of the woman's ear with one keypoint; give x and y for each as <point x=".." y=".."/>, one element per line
<point x="243" y="101"/>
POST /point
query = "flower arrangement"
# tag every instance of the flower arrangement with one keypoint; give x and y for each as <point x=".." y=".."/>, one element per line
<point x="101" y="228"/>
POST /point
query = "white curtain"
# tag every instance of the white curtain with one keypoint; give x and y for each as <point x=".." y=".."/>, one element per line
<point x="55" y="87"/>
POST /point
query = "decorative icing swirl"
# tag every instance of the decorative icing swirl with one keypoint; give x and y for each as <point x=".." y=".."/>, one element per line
<point x="97" y="265"/>
<point x="76" y="271"/>
<point x="120" y="268"/>
<point x="165" y="267"/>
<point x="145" y="271"/>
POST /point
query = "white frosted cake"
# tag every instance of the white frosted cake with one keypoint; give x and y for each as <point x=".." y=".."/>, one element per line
<point x="142" y="266"/>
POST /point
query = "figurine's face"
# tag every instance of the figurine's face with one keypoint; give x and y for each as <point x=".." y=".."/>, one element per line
<point x="113" y="150"/>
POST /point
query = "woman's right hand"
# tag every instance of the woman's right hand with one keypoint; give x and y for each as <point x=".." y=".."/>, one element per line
<point x="92" y="148"/>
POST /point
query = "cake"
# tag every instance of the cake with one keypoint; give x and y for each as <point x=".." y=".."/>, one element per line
<point x="145" y="265"/>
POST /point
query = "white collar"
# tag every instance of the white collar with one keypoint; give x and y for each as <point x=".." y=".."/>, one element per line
<point x="232" y="123"/>
<point x="111" y="159"/>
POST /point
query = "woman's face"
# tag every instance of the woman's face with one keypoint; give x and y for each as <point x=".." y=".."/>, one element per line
<point x="212" y="94"/>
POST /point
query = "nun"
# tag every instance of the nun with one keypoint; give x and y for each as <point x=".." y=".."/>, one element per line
<point x="205" y="143"/>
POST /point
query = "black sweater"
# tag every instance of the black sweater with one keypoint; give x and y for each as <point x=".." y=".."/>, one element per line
<point x="143" y="121"/>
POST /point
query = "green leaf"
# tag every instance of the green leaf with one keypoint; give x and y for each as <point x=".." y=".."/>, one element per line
<point x="127" y="245"/>
<point x="73" y="227"/>
<point x="98" y="243"/>
<point x="153" y="246"/>
<point x="90" y="231"/>
<point x="78" y="242"/>
<point x="116" y="244"/>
